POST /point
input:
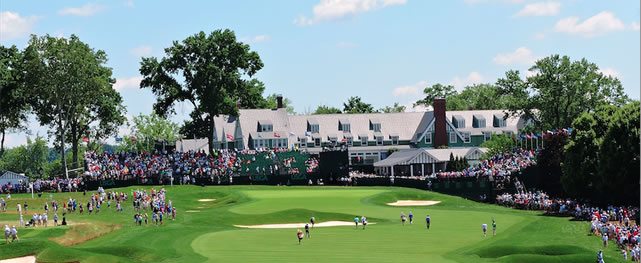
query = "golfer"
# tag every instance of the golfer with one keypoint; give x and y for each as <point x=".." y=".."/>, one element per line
<point x="312" y="221"/>
<point x="411" y="217"/>
<point x="493" y="227"/>
<point x="299" y="234"/>
<point x="364" y="221"/>
<point x="14" y="234"/>
<point x="484" y="227"/>
<point x="307" y="231"/>
<point x="427" y="221"/>
<point x="403" y="218"/>
<point x="7" y="233"/>
<point x="356" y="221"/>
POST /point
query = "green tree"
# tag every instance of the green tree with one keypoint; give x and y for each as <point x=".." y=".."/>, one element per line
<point x="602" y="155"/>
<point x="479" y="97"/>
<point x="271" y="103"/>
<point x="29" y="159"/>
<point x="499" y="143"/>
<point x="210" y="71"/>
<point x="147" y="130"/>
<point x="356" y="105"/>
<point x="324" y="109"/>
<point x="71" y="89"/>
<point x="436" y="91"/>
<point x="559" y="91"/>
<point x="394" y="108"/>
<point x="13" y="101"/>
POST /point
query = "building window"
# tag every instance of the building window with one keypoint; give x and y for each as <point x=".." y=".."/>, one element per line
<point x="487" y="136"/>
<point x="428" y="138"/>
<point x="303" y="141"/>
<point x="317" y="142"/>
<point x="344" y="126"/>
<point x="350" y="141"/>
<point x="379" y="140"/>
<point x="508" y="133"/>
<point x="364" y="141"/>
<point x="452" y="137"/>
<point x="466" y="137"/>
<point x="499" y="121"/>
<point x="314" y="128"/>
<point x="395" y="140"/>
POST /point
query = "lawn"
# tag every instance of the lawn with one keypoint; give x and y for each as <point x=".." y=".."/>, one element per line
<point x="205" y="231"/>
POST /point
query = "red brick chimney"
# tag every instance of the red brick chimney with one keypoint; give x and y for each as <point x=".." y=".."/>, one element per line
<point x="440" y="131"/>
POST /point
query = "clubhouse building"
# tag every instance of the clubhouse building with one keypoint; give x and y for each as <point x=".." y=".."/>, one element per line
<point x="416" y="142"/>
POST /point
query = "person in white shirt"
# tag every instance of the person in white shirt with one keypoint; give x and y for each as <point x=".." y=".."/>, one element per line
<point x="7" y="233"/>
<point x="484" y="227"/>
<point x="14" y="234"/>
<point x="44" y="219"/>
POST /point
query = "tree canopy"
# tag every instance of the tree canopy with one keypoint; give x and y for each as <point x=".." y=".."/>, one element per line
<point x="356" y="105"/>
<point x="499" y="143"/>
<point x="602" y="155"/>
<point x="13" y="100"/>
<point x="272" y="103"/>
<point x="30" y="159"/>
<point x="70" y="89"/>
<point x="559" y="91"/>
<point x="324" y="109"/>
<point x="394" y="108"/>
<point x="437" y="90"/>
<point x="147" y="130"/>
<point x="211" y="71"/>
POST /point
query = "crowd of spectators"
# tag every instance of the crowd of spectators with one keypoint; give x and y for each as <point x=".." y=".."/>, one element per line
<point x="40" y="185"/>
<point x="497" y="167"/>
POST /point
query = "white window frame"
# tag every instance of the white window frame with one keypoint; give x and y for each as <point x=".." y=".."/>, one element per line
<point x="314" y="128"/>
<point x="428" y="138"/>
<point x="363" y="141"/>
<point x="379" y="140"/>
<point x="303" y="141"/>
<point x="376" y="127"/>
<point x="345" y="127"/>
<point x="452" y="137"/>
<point x="394" y="140"/>
<point x="317" y="142"/>
<point x="466" y="137"/>
<point x="487" y="136"/>
<point x="350" y="141"/>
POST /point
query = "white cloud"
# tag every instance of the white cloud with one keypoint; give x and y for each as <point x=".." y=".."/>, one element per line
<point x="127" y="83"/>
<point x="540" y="9"/>
<point x="256" y="39"/>
<point x="327" y="10"/>
<point x="599" y="24"/>
<point x="634" y="26"/>
<point x="141" y="51"/>
<point x="409" y="90"/>
<point x="12" y="25"/>
<point x="129" y="3"/>
<point x="531" y="73"/>
<point x="409" y="107"/>
<point x="85" y="10"/>
<point x="472" y="78"/>
<point x="344" y="44"/>
<point x="610" y="72"/>
<point x="521" y="55"/>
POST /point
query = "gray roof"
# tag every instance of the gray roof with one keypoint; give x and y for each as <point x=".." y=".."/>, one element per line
<point x="12" y="175"/>
<point x="422" y="155"/>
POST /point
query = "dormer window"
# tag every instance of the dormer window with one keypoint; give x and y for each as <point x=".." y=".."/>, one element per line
<point x="478" y="121"/>
<point x="394" y="138"/>
<point x="458" y="121"/>
<point x="375" y="125"/>
<point x="312" y="126"/>
<point x="343" y="125"/>
<point x="363" y="138"/>
<point x="265" y="126"/>
<point x="499" y="121"/>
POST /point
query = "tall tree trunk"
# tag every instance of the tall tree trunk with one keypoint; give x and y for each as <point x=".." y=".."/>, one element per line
<point x="74" y="146"/>
<point x="210" y="136"/>
<point x="62" y="146"/>
<point x="2" y="144"/>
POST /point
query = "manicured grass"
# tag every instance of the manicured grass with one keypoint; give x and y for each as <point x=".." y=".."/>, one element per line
<point x="209" y="235"/>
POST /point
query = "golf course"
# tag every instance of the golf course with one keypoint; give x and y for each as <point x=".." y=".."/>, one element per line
<point x="223" y="224"/>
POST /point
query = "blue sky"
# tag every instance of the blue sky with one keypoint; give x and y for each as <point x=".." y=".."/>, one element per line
<point x="324" y="51"/>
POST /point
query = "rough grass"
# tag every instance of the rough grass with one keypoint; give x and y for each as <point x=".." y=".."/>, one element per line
<point x="80" y="233"/>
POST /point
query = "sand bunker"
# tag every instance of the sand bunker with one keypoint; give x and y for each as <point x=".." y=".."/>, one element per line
<point x="206" y="200"/>
<point x="27" y="259"/>
<point x="302" y="225"/>
<point x="413" y="203"/>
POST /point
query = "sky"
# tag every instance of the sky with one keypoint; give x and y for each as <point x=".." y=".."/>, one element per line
<point x="321" y="52"/>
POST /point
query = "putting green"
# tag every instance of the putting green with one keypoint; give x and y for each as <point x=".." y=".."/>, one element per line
<point x="209" y="235"/>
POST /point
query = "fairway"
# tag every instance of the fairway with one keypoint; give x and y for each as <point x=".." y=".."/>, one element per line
<point x="207" y="233"/>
